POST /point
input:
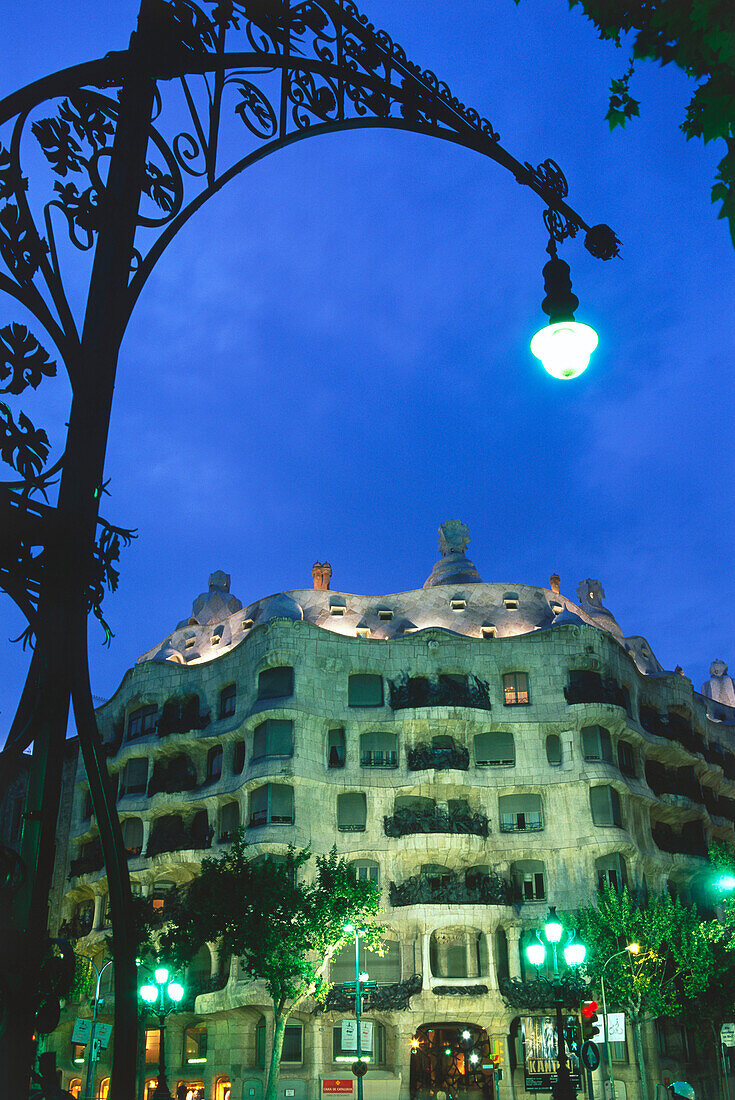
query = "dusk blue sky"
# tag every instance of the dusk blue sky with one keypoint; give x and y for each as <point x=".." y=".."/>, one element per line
<point x="332" y="358"/>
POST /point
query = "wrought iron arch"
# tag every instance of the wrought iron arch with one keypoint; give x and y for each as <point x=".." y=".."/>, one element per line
<point x="125" y="149"/>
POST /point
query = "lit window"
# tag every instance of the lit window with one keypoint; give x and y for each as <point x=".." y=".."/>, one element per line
<point x="195" y="1044"/>
<point x="77" y="1053"/>
<point x="152" y="1046"/>
<point x="75" y="1087"/>
<point x="375" y="1055"/>
<point x="515" y="689"/>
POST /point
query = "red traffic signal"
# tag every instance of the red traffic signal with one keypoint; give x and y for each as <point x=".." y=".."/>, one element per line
<point x="590" y="1021"/>
<point x="589" y="1008"/>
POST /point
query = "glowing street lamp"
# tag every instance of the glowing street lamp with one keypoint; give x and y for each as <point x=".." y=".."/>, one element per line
<point x="725" y="883"/>
<point x="165" y="995"/>
<point x="564" y="346"/>
<point x="631" y="949"/>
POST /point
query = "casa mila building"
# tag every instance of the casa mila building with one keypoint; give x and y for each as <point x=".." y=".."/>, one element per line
<point x="478" y="750"/>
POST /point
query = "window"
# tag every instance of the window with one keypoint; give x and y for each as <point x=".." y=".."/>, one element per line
<point x="488" y="630"/>
<point x="132" y="834"/>
<point x="351" y="812"/>
<point x="376" y="1056"/>
<point x="229" y="821"/>
<point x="275" y="683"/>
<point x="141" y="722"/>
<point x="626" y="758"/>
<point x="495" y="750"/>
<point x="336" y="748"/>
<point x="272" y="805"/>
<point x="214" y="764"/>
<point x="597" y="744"/>
<point x="502" y="962"/>
<point x="528" y="880"/>
<point x="515" y="689"/>
<point x="238" y="757"/>
<point x="367" y="870"/>
<point x="135" y="776"/>
<point x="77" y="1053"/>
<point x="227" y="701"/>
<point x="458" y="604"/>
<point x="161" y="896"/>
<point x="75" y="1087"/>
<point x="152" y="1046"/>
<point x="195" y="1044"/>
<point x="520" y="813"/>
<point x="510" y="600"/>
<point x="383" y="969"/>
<point x="273" y="738"/>
<point x="378" y="750"/>
<point x="385" y="614"/>
<point x="292" y="1052"/>
<point x="458" y="953"/>
<point x="365" y="690"/>
<point x="619" y="1051"/>
<point x="610" y="870"/>
<point x="605" y="805"/>
<point x="553" y="749"/>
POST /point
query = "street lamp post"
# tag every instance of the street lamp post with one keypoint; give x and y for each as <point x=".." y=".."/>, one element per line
<point x="166" y="996"/>
<point x="91" y="1052"/>
<point x="361" y="983"/>
<point x="574" y="955"/>
<point x="631" y="949"/>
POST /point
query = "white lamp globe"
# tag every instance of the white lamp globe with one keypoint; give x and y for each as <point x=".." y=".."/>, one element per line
<point x="564" y="348"/>
<point x="176" y="991"/>
<point x="149" y="993"/>
<point x="575" y="954"/>
<point x="161" y="975"/>
<point x="536" y="953"/>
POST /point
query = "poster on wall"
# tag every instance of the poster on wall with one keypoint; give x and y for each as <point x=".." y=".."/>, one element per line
<point x="540" y="1055"/>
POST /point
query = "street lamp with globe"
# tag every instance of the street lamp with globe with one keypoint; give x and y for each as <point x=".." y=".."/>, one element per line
<point x="163" y="997"/>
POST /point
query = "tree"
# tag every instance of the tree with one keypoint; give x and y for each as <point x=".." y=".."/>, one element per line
<point x="284" y="928"/>
<point x="699" y="37"/>
<point x="674" y="966"/>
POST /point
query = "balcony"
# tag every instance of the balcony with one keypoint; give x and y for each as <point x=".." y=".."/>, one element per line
<point x="683" y="781"/>
<point x="76" y="927"/>
<point x="528" y="822"/>
<point x="718" y="805"/>
<point x="422" y="757"/>
<point x="693" y="843"/>
<point x="444" y="691"/>
<point x="88" y="862"/>
<point x="470" y="889"/>
<point x="182" y="716"/>
<point x="407" y="822"/>
<point x="172" y="777"/>
<point x="592" y="688"/>
<point x="379" y="758"/>
<point x="680" y="730"/>
<point x="169" y="834"/>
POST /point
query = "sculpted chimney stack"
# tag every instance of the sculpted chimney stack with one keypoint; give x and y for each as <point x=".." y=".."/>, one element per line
<point x="322" y="574"/>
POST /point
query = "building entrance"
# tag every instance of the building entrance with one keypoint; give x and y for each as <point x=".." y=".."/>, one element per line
<point x="451" y="1062"/>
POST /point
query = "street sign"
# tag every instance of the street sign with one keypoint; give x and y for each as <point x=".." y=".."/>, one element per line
<point x="82" y="1031"/>
<point x="103" y="1033"/>
<point x="331" y="1086"/>
<point x="616" y="1027"/>
<point x="727" y="1035"/>
<point x="349" y="1035"/>
<point x="590" y="1056"/>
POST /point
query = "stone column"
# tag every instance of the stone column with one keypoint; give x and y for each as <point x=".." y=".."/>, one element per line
<point x="514" y="959"/>
<point x="425" y="960"/>
<point x="99" y="912"/>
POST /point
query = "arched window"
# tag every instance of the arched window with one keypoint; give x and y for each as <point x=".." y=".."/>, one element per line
<point x="520" y="813"/>
<point x="195" y="1045"/>
<point x="495" y="750"/>
<point x="272" y="804"/>
<point x="273" y="738"/>
<point x="529" y="881"/>
<point x="275" y="683"/>
<point x="367" y="870"/>
<point x="375" y="1054"/>
<point x="378" y="750"/>
<point x="336" y="748"/>
<point x="214" y="764"/>
<point x="605" y="806"/>
<point x="597" y="744"/>
<point x="223" y="1089"/>
<point x="229" y="821"/>
<point x="132" y="832"/>
<point x="610" y="871"/>
<point x="553" y="749"/>
<point x="351" y="812"/>
<point x="75" y="1087"/>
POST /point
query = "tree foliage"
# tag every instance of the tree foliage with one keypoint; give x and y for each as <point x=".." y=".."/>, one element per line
<point x="699" y="37"/>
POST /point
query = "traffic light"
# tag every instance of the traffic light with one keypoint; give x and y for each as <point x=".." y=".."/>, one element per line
<point x="591" y="1023"/>
<point x="55" y="980"/>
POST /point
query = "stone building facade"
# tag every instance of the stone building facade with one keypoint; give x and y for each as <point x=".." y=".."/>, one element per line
<point x="479" y="750"/>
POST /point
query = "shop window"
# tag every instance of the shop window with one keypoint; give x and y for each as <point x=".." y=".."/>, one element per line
<point x="238" y="757"/>
<point x="227" y="701"/>
<point x="626" y="758"/>
<point x="195" y="1044"/>
<point x="104" y="1088"/>
<point x="378" y="750"/>
<point x="365" y="690"/>
<point x="214" y="764"/>
<point x="597" y="744"/>
<point x="275" y="683"/>
<point x="187" y="1090"/>
<point x="152" y="1046"/>
<point x="610" y="871"/>
<point x="495" y="750"/>
<point x="520" y="813"/>
<point x="229" y="821"/>
<point x="553" y="749"/>
<point x="223" y="1089"/>
<point x="135" y="776"/>
<point x="351" y="812"/>
<point x="605" y="805"/>
<point x="529" y="882"/>
<point x="367" y="870"/>
<point x="515" y="689"/>
<point x="75" y="1087"/>
<point x="272" y="805"/>
<point x="142" y="721"/>
<point x="132" y="833"/>
<point x="336" y="748"/>
<point x="375" y="1056"/>
<point x="273" y="738"/>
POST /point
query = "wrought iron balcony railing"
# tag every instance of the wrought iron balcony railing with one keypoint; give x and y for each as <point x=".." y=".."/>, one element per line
<point x="405" y="822"/>
<point x="601" y="691"/>
<point x="423" y="756"/>
<point x="668" y="840"/>
<point x="444" y="691"/>
<point x="470" y="889"/>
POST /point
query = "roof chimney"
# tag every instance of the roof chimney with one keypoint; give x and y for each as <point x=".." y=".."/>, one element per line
<point x="555" y="582"/>
<point x="322" y="574"/>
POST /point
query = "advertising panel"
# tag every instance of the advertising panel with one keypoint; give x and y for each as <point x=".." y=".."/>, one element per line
<point x="540" y="1052"/>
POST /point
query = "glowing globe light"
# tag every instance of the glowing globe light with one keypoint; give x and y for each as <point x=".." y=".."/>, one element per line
<point x="176" y="991"/>
<point x="575" y="953"/>
<point x="536" y="954"/>
<point x="466" y="1034"/>
<point x="474" y="1058"/>
<point x="564" y="348"/>
<point x="725" y="882"/>
<point x="553" y="927"/>
<point x="149" y="993"/>
<point x="634" y="948"/>
<point x="161" y="975"/>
